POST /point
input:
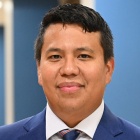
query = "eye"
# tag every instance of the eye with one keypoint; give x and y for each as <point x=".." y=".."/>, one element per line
<point x="55" y="57"/>
<point x="84" y="56"/>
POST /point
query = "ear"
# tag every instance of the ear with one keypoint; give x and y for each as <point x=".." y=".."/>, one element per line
<point x="109" y="69"/>
<point x="39" y="73"/>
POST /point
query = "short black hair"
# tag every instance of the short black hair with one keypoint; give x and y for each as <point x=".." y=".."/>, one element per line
<point x="87" y="18"/>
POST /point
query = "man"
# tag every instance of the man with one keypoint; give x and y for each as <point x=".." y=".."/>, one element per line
<point x="75" y="62"/>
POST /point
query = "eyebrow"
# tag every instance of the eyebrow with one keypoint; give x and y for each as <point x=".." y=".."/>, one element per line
<point x="77" y="49"/>
<point x="85" y="49"/>
<point x="53" y="50"/>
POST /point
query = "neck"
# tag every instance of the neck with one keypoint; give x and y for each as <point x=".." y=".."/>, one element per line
<point x="71" y="119"/>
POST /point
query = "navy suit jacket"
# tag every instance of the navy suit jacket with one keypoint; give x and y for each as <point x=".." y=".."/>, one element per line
<point x="33" y="128"/>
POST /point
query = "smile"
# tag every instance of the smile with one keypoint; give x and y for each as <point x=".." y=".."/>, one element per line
<point x="69" y="86"/>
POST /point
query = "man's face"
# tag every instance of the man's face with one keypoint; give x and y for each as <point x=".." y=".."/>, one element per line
<point x="72" y="71"/>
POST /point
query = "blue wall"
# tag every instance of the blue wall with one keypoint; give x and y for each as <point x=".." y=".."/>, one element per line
<point x="29" y="97"/>
<point x="1" y="76"/>
<point x="123" y="94"/>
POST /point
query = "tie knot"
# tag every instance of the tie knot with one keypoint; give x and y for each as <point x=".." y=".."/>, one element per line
<point x="69" y="135"/>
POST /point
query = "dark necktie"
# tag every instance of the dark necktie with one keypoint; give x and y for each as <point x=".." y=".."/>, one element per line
<point x="70" y="135"/>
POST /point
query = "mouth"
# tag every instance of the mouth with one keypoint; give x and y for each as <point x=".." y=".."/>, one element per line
<point x="70" y="86"/>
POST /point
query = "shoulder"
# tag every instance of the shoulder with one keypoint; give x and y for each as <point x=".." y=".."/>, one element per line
<point x="130" y="130"/>
<point x="118" y="127"/>
<point x="12" y="131"/>
<point x="20" y="128"/>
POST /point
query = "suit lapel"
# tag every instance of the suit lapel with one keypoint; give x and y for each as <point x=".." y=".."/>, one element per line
<point x="35" y="128"/>
<point x="109" y="127"/>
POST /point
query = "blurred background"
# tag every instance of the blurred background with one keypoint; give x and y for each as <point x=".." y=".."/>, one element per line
<point x="20" y="94"/>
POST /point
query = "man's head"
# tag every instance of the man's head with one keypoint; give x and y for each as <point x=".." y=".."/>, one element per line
<point x="87" y="18"/>
<point x="74" y="54"/>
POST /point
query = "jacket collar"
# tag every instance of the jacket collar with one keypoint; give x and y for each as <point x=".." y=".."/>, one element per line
<point x="109" y="127"/>
<point x="35" y="128"/>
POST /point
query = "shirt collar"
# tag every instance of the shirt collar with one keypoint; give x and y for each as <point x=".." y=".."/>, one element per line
<point x="88" y="125"/>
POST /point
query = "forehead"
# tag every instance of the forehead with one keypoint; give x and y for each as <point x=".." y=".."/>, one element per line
<point x="60" y="27"/>
<point x="70" y="35"/>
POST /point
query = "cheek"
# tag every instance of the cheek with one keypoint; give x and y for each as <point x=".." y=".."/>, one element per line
<point x="49" y="80"/>
<point x="96" y="85"/>
<point x="95" y="77"/>
<point x="48" y="72"/>
<point x="45" y="74"/>
<point x="48" y="83"/>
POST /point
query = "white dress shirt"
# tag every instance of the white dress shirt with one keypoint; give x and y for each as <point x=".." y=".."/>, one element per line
<point x="87" y="126"/>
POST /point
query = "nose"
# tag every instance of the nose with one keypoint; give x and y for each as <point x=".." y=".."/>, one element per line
<point x="69" y="68"/>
